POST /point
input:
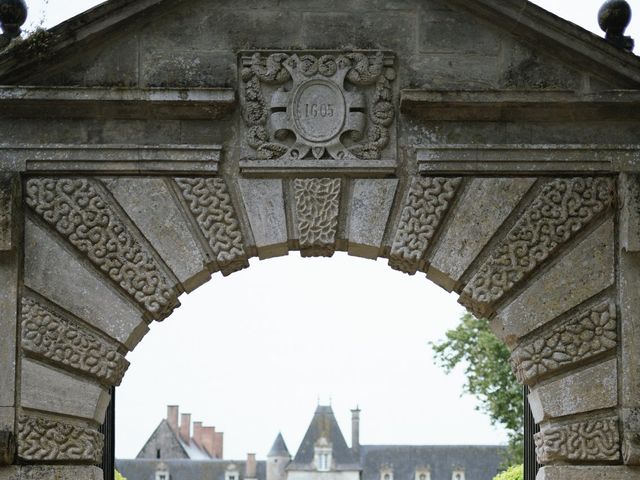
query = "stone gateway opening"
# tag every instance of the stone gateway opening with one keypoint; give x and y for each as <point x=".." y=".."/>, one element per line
<point x="490" y="146"/>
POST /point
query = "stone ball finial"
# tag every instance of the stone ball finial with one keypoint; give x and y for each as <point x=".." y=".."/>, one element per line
<point x="13" y="14"/>
<point x="614" y="17"/>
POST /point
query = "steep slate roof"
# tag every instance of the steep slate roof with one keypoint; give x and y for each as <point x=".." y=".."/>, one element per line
<point x="143" y="469"/>
<point x="324" y="424"/>
<point x="478" y="462"/>
<point x="279" y="448"/>
<point x="191" y="451"/>
<point x="520" y="17"/>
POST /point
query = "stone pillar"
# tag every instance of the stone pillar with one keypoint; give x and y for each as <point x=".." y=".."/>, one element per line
<point x="10" y="257"/>
<point x="629" y="301"/>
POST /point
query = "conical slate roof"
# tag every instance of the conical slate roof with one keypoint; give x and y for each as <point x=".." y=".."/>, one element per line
<point x="324" y="425"/>
<point x="279" y="448"/>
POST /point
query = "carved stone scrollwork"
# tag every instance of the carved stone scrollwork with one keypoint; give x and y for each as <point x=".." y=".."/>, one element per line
<point x="47" y="335"/>
<point x="563" y="208"/>
<point x="317" y="208"/>
<point x="298" y="106"/>
<point x="583" y="336"/>
<point x="586" y="441"/>
<point x="210" y="203"/>
<point x="6" y="211"/>
<point x="428" y="201"/>
<point x="41" y="439"/>
<point x="76" y="209"/>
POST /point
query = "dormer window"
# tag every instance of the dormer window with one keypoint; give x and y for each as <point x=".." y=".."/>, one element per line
<point x="458" y="474"/>
<point x="323" y="455"/>
<point x="423" y="474"/>
<point x="162" y="472"/>
<point x="231" y="473"/>
<point x="386" y="474"/>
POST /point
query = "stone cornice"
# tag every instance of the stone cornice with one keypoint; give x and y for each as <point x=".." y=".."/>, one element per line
<point x="527" y="159"/>
<point x="522" y="105"/>
<point x="121" y="159"/>
<point x="89" y="102"/>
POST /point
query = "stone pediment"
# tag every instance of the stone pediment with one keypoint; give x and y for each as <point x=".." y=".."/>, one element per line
<point x="478" y="44"/>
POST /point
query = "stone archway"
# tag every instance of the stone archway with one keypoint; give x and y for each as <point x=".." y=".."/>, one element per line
<point x="114" y="201"/>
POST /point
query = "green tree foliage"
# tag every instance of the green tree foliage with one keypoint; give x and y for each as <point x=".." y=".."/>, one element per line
<point x="118" y="476"/>
<point x="485" y="359"/>
<point x="514" y="473"/>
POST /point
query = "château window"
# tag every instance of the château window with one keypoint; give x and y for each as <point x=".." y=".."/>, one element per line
<point x="423" y="474"/>
<point x="458" y="475"/>
<point x="386" y="474"/>
<point x="323" y="455"/>
<point x="162" y="472"/>
<point x="231" y="473"/>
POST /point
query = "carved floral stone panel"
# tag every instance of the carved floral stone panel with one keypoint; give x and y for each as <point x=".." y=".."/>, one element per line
<point x="426" y="205"/>
<point x="209" y="202"/>
<point x="586" y="441"/>
<point x="586" y="334"/>
<point x="46" y="334"/>
<point x="318" y="105"/>
<point x="317" y="208"/>
<point x="42" y="439"/>
<point x="563" y="207"/>
<point x="77" y="209"/>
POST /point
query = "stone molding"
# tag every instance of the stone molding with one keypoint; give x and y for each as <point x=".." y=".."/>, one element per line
<point x="62" y="341"/>
<point x="7" y="193"/>
<point x="83" y="102"/>
<point x="79" y="212"/>
<point x="210" y="204"/>
<point x="42" y="439"/>
<point x="593" y="440"/>
<point x="427" y="202"/>
<point x="317" y="207"/>
<point x="563" y="207"/>
<point x="104" y="159"/>
<point x="582" y="336"/>
<point x="527" y="158"/>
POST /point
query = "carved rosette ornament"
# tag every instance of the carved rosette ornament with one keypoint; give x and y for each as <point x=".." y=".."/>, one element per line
<point x="318" y="106"/>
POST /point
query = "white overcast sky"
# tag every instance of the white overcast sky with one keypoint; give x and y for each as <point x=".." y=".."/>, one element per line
<point x="253" y="353"/>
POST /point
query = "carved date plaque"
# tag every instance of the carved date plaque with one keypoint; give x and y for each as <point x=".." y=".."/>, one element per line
<point x="299" y="109"/>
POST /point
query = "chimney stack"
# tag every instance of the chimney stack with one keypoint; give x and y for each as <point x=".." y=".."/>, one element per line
<point x="218" y="444"/>
<point x="250" y="468"/>
<point x="197" y="433"/>
<point x="172" y="417"/>
<point x="209" y="440"/>
<point x="355" y="432"/>
<point x="185" y="428"/>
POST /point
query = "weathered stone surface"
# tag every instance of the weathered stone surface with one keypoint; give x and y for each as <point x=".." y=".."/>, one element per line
<point x="562" y="209"/>
<point x="630" y="212"/>
<point x="7" y="210"/>
<point x="590" y="389"/>
<point x="426" y="205"/>
<point x="471" y="227"/>
<point x="264" y="203"/>
<point x="589" y="332"/>
<point x="371" y="202"/>
<point x="317" y="205"/>
<point x="209" y="201"/>
<point x="48" y="335"/>
<point x="54" y="272"/>
<point x="610" y="472"/>
<point x="591" y="267"/>
<point x="149" y="203"/>
<point x="7" y="436"/>
<point x="9" y="281"/>
<point x="593" y="440"/>
<point x="320" y="108"/>
<point x="79" y="211"/>
<point x="44" y="439"/>
<point x="48" y="389"/>
<point x="50" y="472"/>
